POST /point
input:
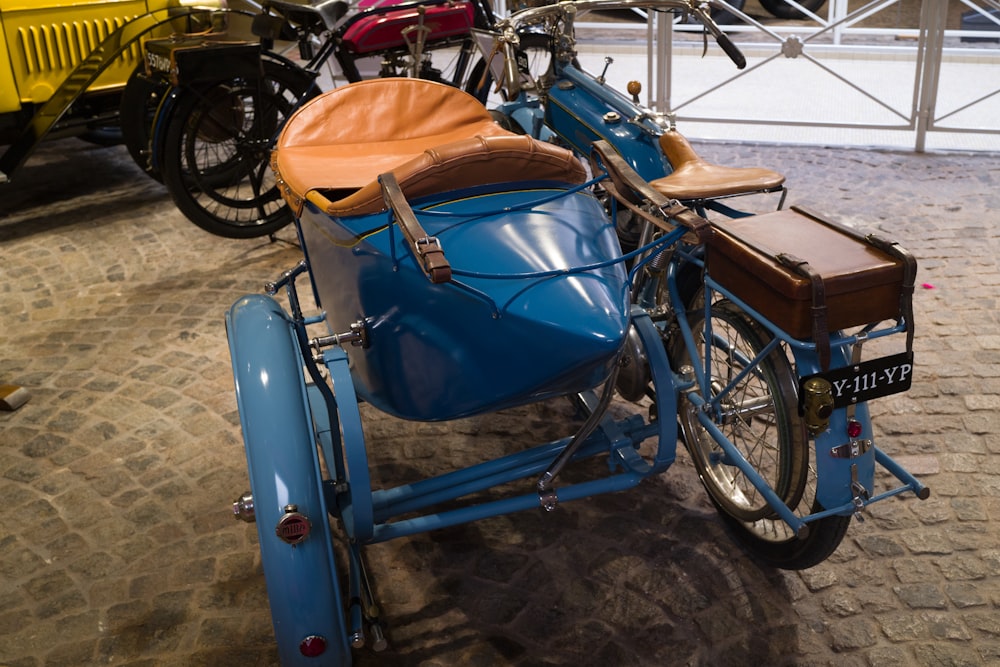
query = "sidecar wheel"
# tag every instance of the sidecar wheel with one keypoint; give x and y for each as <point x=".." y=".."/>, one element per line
<point x="288" y="503"/>
<point x="761" y="419"/>
<point x="217" y="147"/>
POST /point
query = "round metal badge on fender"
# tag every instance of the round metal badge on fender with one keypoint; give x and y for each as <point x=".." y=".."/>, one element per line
<point x="293" y="527"/>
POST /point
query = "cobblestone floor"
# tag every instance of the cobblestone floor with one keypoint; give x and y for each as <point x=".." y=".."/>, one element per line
<point x="117" y="545"/>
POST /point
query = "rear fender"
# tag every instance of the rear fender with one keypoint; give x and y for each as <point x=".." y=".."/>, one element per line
<point x="835" y="473"/>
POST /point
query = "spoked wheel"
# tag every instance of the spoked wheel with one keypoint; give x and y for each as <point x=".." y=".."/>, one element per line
<point x="758" y="414"/>
<point x="449" y="63"/>
<point x="216" y="150"/>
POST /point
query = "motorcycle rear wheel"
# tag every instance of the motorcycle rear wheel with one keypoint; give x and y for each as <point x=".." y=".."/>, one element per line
<point x="216" y="150"/>
<point x="760" y="417"/>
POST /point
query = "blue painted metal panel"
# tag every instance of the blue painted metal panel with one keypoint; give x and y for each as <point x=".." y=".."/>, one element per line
<point x="499" y="334"/>
<point x="834" y="474"/>
<point x="570" y="107"/>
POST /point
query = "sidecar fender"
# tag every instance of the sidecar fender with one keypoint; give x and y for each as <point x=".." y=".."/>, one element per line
<point x="283" y="465"/>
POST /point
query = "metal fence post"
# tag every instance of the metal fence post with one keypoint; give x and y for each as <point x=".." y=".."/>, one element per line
<point x="930" y="48"/>
<point x="664" y="39"/>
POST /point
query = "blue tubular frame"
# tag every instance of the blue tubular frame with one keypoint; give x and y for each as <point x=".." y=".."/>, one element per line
<point x="288" y="423"/>
<point x="368" y="514"/>
<point x="564" y="116"/>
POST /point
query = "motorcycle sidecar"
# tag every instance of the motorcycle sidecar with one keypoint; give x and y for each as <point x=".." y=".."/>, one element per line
<point x="460" y="270"/>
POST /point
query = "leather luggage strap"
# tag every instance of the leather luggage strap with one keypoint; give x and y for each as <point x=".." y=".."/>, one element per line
<point x="629" y="188"/>
<point x="427" y="249"/>
<point x="820" y="330"/>
<point x="893" y="249"/>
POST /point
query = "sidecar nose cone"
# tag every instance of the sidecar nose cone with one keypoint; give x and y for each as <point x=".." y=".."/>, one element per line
<point x="586" y="313"/>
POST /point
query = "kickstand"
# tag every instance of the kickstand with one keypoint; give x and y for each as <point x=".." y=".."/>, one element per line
<point x="546" y="493"/>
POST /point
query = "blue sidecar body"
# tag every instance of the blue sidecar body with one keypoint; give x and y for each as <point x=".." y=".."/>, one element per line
<point x="537" y="304"/>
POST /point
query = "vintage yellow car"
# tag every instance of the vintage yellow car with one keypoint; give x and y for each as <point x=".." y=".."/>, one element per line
<point x="65" y="63"/>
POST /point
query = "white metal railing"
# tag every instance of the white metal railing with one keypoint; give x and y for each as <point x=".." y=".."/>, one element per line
<point x="943" y="96"/>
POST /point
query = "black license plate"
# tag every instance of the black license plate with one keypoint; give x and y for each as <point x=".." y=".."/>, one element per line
<point x="870" y="379"/>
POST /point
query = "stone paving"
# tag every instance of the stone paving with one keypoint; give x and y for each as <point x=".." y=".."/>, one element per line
<point x="117" y="545"/>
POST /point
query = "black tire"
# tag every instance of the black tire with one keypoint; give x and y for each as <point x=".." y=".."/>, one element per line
<point x="761" y="419"/>
<point x="102" y="136"/>
<point x="537" y="47"/>
<point x="216" y="151"/>
<point x="507" y="123"/>
<point x="722" y="17"/>
<point x="782" y="10"/>
<point x="140" y="102"/>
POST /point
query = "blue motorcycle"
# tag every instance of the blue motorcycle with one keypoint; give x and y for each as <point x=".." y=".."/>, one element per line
<point x="456" y="267"/>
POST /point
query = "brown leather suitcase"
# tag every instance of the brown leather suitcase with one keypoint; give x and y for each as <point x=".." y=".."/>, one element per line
<point x="809" y="275"/>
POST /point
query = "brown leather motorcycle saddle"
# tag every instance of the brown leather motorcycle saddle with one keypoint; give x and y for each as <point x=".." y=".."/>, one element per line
<point x="694" y="178"/>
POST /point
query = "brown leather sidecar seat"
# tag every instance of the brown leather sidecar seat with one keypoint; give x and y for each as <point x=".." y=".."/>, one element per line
<point x="343" y="139"/>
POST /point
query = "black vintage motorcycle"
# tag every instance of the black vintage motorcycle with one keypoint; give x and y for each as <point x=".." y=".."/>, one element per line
<point x="203" y="113"/>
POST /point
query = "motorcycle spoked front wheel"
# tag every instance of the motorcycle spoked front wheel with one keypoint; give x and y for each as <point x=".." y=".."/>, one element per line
<point x="535" y="48"/>
<point x="215" y="155"/>
<point x="759" y="415"/>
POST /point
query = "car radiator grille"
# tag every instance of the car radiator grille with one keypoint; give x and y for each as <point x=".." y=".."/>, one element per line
<point x="60" y="47"/>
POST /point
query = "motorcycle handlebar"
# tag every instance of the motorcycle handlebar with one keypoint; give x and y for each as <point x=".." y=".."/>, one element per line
<point x="569" y="8"/>
<point x="722" y="39"/>
<point x="731" y="50"/>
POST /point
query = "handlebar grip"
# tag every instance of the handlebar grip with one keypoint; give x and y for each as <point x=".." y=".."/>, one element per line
<point x="731" y="50"/>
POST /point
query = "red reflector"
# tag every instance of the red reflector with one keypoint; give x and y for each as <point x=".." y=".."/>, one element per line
<point x="312" y="646"/>
<point x="853" y="429"/>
